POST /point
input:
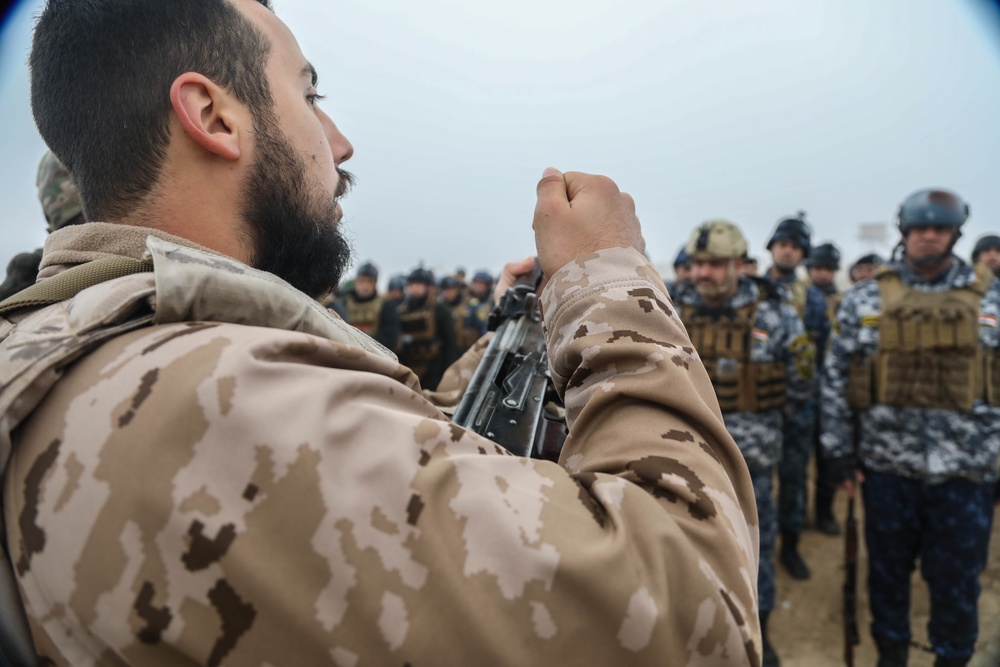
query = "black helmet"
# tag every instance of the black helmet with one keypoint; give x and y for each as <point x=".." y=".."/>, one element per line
<point x="420" y="275"/>
<point x="483" y="275"/>
<point x="397" y="282"/>
<point x="985" y="243"/>
<point x="368" y="270"/>
<point x="824" y="256"/>
<point x="449" y="282"/>
<point x="794" y="228"/>
<point x="932" y="207"/>
<point x="870" y="258"/>
<point x="682" y="258"/>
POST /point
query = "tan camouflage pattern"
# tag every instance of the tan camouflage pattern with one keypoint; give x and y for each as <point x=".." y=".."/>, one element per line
<point x="59" y="197"/>
<point x="202" y="492"/>
<point x="725" y="241"/>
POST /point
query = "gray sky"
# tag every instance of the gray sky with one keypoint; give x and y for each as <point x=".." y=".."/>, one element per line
<point x="749" y="111"/>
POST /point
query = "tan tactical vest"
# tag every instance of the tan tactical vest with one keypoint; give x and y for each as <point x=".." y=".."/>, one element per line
<point x="364" y="314"/>
<point x="464" y="336"/>
<point x="929" y="354"/>
<point x="420" y="341"/>
<point x="832" y="304"/>
<point x="724" y="342"/>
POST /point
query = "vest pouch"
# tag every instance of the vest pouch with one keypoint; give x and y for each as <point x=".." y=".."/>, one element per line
<point x="859" y="383"/>
<point x="992" y="372"/>
<point x="725" y="375"/>
<point x="928" y="379"/>
<point x="769" y="388"/>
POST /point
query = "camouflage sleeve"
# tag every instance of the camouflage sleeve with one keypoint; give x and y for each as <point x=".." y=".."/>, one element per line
<point x="229" y="495"/>
<point x="836" y="418"/>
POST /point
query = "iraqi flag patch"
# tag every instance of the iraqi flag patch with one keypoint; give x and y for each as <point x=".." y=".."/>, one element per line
<point x="761" y="335"/>
<point x="988" y="321"/>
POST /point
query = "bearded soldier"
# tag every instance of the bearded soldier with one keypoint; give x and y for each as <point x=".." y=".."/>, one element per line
<point x="760" y="361"/>
<point x="789" y="245"/>
<point x="915" y="361"/>
<point x="203" y="466"/>
<point x="368" y="311"/>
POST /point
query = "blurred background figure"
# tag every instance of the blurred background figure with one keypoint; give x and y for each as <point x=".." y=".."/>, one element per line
<point x="987" y="252"/>
<point x="368" y="311"/>
<point x="427" y="344"/>
<point x="61" y="205"/>
<point x="864" y="267"/>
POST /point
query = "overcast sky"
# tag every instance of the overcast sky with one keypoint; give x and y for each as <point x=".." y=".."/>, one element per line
<point x="744" y="110"/>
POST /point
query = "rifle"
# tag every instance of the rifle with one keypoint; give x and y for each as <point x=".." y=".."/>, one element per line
<point x="851" y="637"/>
<point x="510" y="391"/>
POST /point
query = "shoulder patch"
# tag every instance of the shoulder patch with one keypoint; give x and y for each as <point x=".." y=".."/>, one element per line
<point x="988" y="321"/>
<point x="761" y="335"/>
<point x="869" y="320"/>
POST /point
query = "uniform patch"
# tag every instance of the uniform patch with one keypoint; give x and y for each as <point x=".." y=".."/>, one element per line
<point x="869" y="320"/>
<point x="761" y="335"/>
<point x="988" y="321"/>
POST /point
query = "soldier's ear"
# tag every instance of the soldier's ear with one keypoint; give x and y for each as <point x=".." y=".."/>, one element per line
<point x="209" y="115"/>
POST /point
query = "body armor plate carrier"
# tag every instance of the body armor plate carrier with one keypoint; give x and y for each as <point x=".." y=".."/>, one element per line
<point x="929" y="353"/>
<point x="724" y="339"/>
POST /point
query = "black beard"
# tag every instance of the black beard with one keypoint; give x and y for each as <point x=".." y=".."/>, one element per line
<point x="303" y="247"/>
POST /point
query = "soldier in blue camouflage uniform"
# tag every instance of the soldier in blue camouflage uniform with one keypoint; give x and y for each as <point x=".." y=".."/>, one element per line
<point x="864" y="267"/>
<point x="760" y="361"/>
<point x="915" y="361"/>
<point x="987" y="251"/>
<point x="823" y="264"/>
<point x="789" y="245"/>
<point x="682" y="273"/>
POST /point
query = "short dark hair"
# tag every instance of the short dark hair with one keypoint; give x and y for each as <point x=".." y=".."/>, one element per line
<point x="101" y="72"/>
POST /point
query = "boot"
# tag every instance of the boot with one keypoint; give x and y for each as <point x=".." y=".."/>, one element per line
<point x="791" y="558"/>
<point x="891" y="653"/>
<point x="770" y="658"/>
<point x="825" y="521"/>
<point x="950" y="662"/>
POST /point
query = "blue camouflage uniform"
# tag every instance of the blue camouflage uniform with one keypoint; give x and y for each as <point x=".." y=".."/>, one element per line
<point x="800" y="426"/>
<point x="929" y="471"/>
<point x="777" y="336"/>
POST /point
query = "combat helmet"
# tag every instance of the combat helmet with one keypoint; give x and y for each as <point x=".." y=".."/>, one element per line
<point x="397" y="283"/>
<point x="58" y="194"/>
<point x="420" y="275"/>
<point x="716" y="239"/>
<point x="932" y="207"/>
<point x="825" y="256"/>
<point x="368" y="270"/>
<point x="985" y="243"/>
<point x="794" y="228"/>
<point x="682" y="258"/>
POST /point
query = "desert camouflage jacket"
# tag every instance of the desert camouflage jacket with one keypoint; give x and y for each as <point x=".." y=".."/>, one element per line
<point x="779" y="336"/>
<point x="226" y="480"/>
<point x="920" y="443"/>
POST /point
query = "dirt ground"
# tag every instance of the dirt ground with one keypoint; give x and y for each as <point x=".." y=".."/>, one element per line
<point x="806" y="626"/>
